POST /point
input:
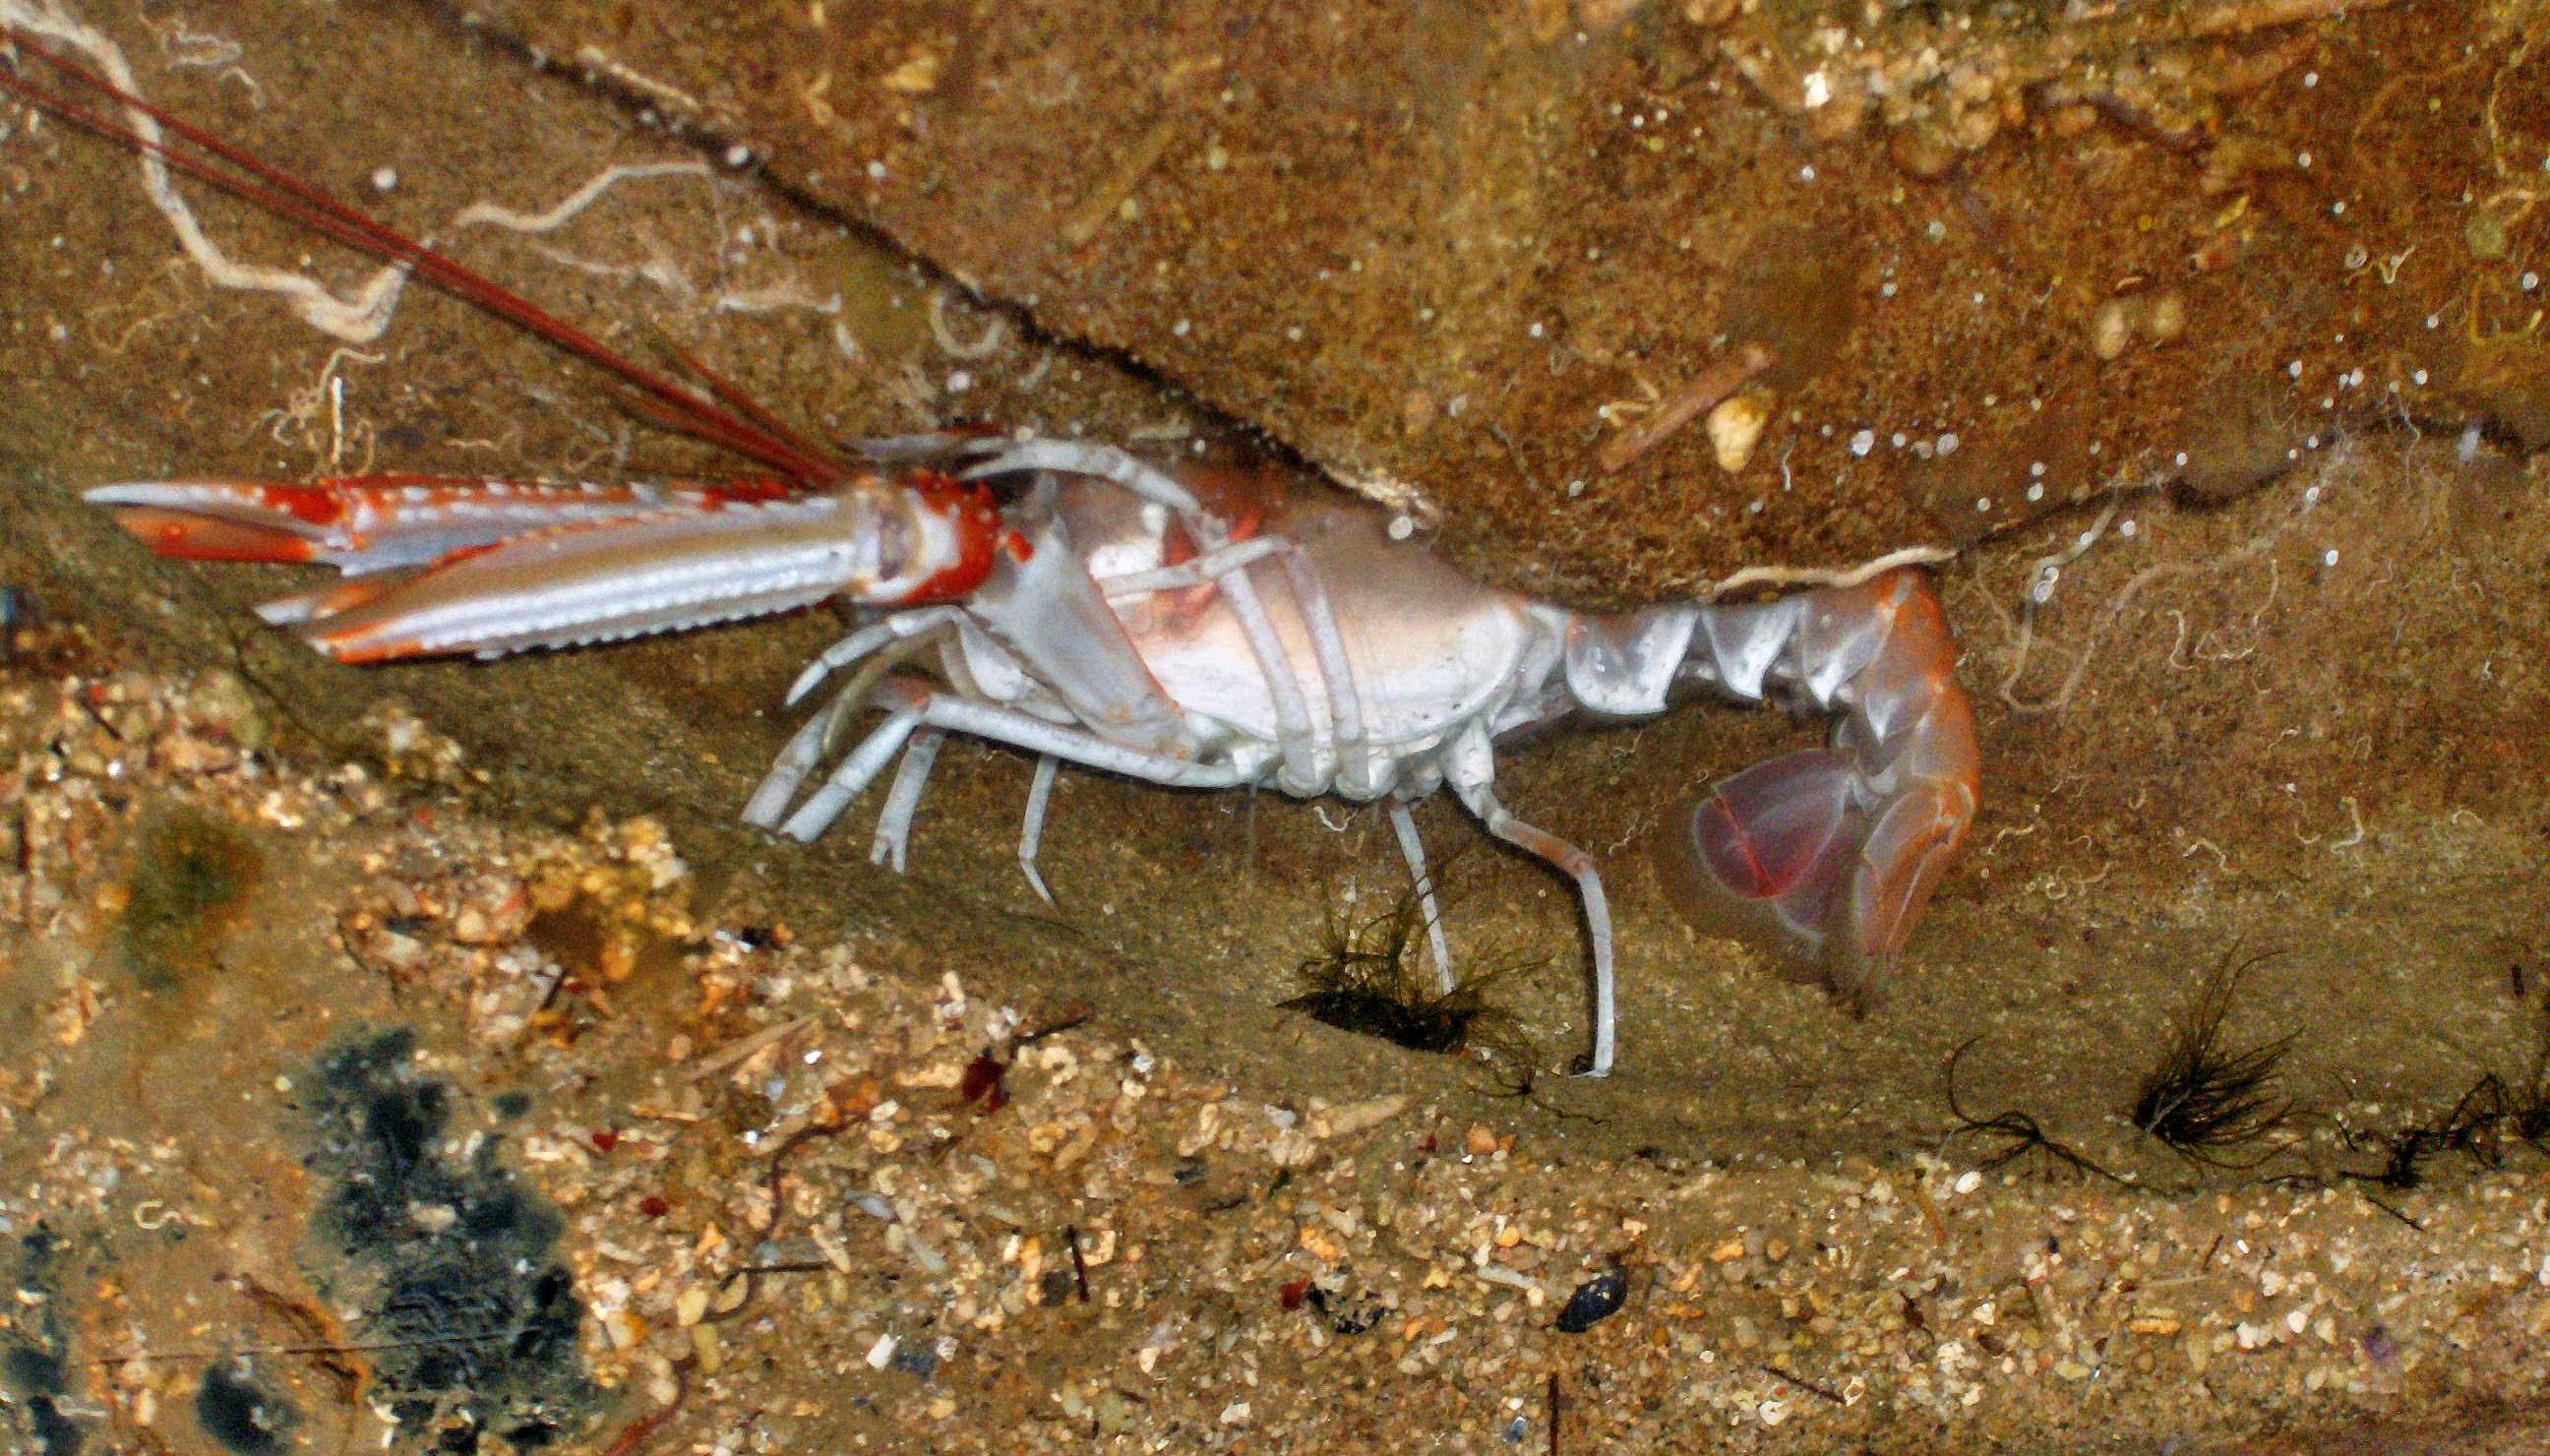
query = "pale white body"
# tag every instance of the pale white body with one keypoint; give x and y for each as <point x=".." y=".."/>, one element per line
<point x="1200" y="629"/>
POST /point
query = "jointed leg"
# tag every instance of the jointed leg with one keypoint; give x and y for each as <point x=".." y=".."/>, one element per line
<point x="859" y="770"/>
<point x="805" y="750"/>
<point x="1346" y="697"/>
<point x="913" y="705"/>
<point x="894" y="823"/>
<point x="1405" y="825"/>
<point x="867" y="639"/>
<point x="1470" y="768"/>
<point x="1031" y="832"/>
<point x="1212" y="535"/>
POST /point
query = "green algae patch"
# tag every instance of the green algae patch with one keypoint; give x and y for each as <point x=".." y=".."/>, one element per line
<point x="192" y="875"/>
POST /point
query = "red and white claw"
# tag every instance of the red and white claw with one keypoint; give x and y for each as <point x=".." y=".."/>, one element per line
<point x="363" y="524"/>
<point x="487" y="567"/>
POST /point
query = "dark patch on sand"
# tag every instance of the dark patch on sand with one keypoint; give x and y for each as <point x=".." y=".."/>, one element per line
<point x="451" y="1261"/>
<point x="32" y="1355"/>
<point x="243" y="1415"/>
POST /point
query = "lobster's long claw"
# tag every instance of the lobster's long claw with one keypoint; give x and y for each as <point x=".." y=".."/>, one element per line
<point x="361" y="524"/>
<point x="447" y="565"/>
<point x="1829" y="855"/>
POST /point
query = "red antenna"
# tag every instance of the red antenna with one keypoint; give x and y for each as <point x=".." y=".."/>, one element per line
<point x="745" y="428"/>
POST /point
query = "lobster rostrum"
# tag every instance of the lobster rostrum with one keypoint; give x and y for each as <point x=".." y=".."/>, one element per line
<point x="1189" y="627"/>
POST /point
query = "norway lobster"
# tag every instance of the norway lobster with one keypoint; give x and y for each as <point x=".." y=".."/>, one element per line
<point x="1190" y="626"/>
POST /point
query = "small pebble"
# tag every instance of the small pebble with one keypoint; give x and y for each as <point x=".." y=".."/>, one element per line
<point x="1734" y="427"/>
<point x="1594" y="1301"/>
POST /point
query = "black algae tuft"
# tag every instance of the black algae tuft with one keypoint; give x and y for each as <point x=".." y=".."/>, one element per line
<point x="451" y="1261"/>
<point x="2206" y="1099"/>
<point x="240" y="1415"/>
<point x="1369" y="976"/>
<point x="33" y="1367"/>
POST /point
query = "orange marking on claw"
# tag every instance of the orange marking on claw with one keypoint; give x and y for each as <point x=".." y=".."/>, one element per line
<point x="187" y="536"/>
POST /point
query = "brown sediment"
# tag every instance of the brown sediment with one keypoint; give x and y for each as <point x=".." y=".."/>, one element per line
<point x="2305" y="714"/>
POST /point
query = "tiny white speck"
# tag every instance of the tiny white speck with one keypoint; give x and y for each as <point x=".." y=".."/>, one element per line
<point x="2530" y="280"/>
<point x="2295" y="368"/>
<point x="1294" y="333"/>
<point x="2338" y="208"/>
<point x="2433" y="321"/>
<point x="1401" y="527"/>
<point x="2311" y="495"/>
<point x="2036" y="469"/>
<point x="1180" y="328"/>
<point x="1537" y="330"/>
<point x="1895" y="440"/>
<point x="2310" y="443"/>
<point x="2417" y="377"/>
<point x="2302" y="160"/>
<point x="2126" y="530"/>
<point x="1805" y="174"/>
<point x="1936" y="229"/>
<point x="2178" y="459"/>
<point x="2328" y="557"/>
<point x="959" y="382"/>
<point x="876" y="172"/>
<point x="1979" y="300"/>
<point x="1884" y="290"/>
<point x="1948" y="443"/>
<point x="1982" y="504"/>
<point x="384" y="178"/>
<point x="2037" y="492"/>
<point x="1860" y="444"/>
<point x="1575" y="488"/>
<point x="738" y="156"/>
<point x="2309" y="80"/>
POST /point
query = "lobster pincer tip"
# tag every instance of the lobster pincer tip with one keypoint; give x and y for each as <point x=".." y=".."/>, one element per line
<point x="204" y="520"/>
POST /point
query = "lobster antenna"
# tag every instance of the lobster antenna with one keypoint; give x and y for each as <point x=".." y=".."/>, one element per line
<point x="750" y="432"/>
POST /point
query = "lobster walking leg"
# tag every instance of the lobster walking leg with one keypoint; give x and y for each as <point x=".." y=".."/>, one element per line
<point x="867" y="639"/>
<point x="1031" y="830"/>
<point x="912" y="705"/>
<point x="1470" y="769"/>
<point x="910" y="780"/>
<point x="1404" y="825"/>
<point x="863" y="765"/>
<point x="1298" y="739"/>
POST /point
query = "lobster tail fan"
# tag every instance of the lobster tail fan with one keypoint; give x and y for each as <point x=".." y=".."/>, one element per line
<point x="1766" y="856"/>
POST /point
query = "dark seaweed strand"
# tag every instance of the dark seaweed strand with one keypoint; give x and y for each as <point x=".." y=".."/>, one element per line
<point x="2205" y="1097"/>
<point x="2023" y="1133"/>
<point x="2474" y="1128"/>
